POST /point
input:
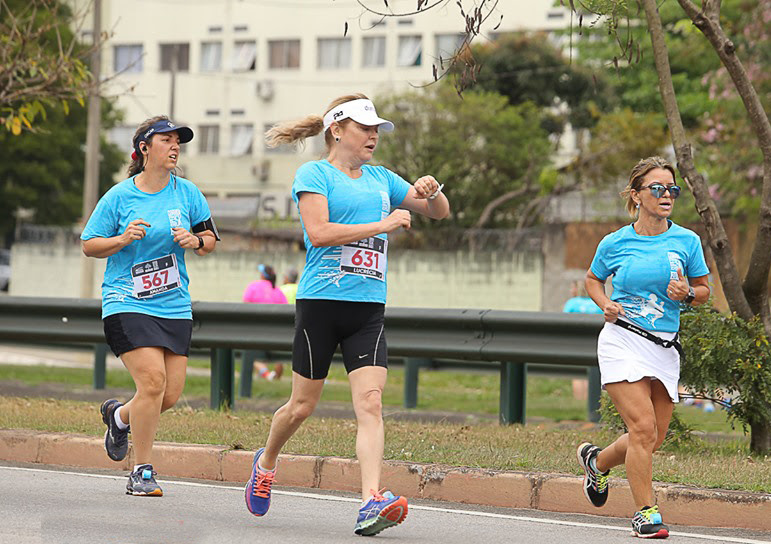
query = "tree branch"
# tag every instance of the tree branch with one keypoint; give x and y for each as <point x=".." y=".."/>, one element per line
<point x="756" y="280"/>
<point x="705" y="205"/>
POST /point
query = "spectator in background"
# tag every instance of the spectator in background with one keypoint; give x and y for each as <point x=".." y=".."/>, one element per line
<point x="580" y="303"/>
<point x="264" y="291"/>
<point x="290" y="285"/>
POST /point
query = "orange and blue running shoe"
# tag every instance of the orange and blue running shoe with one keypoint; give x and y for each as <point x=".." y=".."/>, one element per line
<point x="380" y="512"/>
<point x="257" y="490"/>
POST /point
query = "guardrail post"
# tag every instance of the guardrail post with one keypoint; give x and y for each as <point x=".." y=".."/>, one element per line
<point x="247" y="364"/>
<point x="412" y="367"/>
<point x="513" y="392"/>
<point x="222" y="378"/>
<point x="594" y="392"/>
<point x="100" y="365"/>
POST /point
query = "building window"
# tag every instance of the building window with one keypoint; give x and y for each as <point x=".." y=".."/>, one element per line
<point x="176" y="56"/>
<point x="447" y="45"/>
<point x="284" y="54"/>
<point x="241" y="136"/>
<point x="334" y="53"/>
<point x="127" y="58"/>
<point x="410" y="51"/>
<point x="211" y="56"/>
<point x="374" y="52"/>
<point x="244" y="56"/>
<point x="208" y="139"/>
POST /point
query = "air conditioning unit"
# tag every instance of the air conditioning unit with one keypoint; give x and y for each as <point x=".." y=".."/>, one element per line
<point x="265" y="90"/>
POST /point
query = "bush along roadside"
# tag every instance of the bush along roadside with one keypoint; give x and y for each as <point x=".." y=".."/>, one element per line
<point x="728" y="359"/>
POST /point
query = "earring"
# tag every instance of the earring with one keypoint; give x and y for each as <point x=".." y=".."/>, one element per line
<point x="637" y="205"/>
<point x="337" y="138"/>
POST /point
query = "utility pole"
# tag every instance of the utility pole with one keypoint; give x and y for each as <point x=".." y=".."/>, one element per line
<point x="91" y="181"/>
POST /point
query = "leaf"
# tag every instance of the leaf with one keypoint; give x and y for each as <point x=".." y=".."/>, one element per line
<point x="16" y="126"/>
<point x="66" y="107"/>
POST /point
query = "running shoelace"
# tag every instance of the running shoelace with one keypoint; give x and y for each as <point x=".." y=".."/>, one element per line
<point x="649" y="512"/>
<point x="602" y="482"/>
<point x="377" y="496"/>
<point x="262" y="484"/>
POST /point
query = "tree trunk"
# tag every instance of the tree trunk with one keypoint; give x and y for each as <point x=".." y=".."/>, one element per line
<point x="707" y="20"/>
<point x="705" y="205"/>
<point x="760" y="437"/>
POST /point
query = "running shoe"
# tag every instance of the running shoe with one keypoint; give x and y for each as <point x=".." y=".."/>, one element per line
<point x="647" y="523"/>
<point x="595" y="482"/>
<point x="115" y="439"/>
<point x="380" y="512"/>
<point x="257" y="490"/>
<point x="142" y="482"/>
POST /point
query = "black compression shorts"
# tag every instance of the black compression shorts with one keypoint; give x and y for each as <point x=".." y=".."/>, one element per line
<point x="322" y="325"/>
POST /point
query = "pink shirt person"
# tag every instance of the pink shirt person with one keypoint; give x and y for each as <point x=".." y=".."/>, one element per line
<point x="263" y="291"/>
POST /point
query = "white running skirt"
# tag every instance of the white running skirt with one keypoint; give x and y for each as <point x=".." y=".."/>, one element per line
<point x="626" y="356"/>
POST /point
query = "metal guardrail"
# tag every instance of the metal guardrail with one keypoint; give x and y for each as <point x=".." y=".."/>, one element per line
<point x="510" y="339"/>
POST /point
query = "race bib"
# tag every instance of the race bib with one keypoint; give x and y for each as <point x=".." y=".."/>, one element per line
<point x="155" y="276"/>
<point x="365" y="258"/>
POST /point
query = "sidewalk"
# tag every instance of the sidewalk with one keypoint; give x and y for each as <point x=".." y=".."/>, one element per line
<point x="549" y="492"/>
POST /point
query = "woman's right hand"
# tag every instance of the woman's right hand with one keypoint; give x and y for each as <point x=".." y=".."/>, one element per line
<point x="134" y="231"/>
<point x="612" y="311"/>
<point x="397" y="218"/>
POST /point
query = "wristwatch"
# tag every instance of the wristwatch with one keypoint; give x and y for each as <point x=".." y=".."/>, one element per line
<point x="200" y="244"/>
<point x="690" y="296"/>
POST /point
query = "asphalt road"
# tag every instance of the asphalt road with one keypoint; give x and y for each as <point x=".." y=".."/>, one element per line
<point x="47" y="505"/>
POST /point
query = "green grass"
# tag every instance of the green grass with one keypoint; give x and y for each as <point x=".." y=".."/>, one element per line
<point x="543" y="448"/>
<point x="439" y="390"/>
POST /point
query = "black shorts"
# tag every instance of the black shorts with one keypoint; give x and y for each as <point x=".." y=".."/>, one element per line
<point x="127" y="331"/>
<point x="322" y="325"/>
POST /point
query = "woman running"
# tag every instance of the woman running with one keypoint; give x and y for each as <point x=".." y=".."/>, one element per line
<point x="144" y="226"/>
<point x="638" y="350"/>
<point x="346" y="210"/>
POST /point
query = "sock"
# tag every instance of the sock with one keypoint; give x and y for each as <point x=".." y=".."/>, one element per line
<point x="271" y="375"/>
<point x="122" y="426"/>
<point x="137" y="467"/>
<point x="363" y="504"/>
<point x="259" y="466"/>
<point x="593" y="463"/>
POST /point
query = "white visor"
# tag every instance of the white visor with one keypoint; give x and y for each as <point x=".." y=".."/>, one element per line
<point x="360" y="110"/>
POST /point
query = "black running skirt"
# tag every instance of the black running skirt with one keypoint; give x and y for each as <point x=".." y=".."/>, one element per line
<point x="127" y="331"/>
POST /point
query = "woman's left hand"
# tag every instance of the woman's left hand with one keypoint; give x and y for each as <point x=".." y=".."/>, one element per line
<point x="425" y="187"/>
<point x="678" y="289"/>
<point x="184" y="238"/>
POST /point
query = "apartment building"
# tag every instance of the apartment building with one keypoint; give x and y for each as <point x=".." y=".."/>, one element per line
<point x="232" y="68"/>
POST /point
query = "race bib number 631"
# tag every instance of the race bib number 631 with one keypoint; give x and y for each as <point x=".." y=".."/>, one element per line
<point x="366" y="257"/>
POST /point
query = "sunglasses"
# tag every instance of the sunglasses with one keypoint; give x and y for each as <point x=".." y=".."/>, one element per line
<point x="658" y="190"/>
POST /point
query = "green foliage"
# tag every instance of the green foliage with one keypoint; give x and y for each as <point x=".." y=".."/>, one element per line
<point x="480" y="145"/>
<point x="43" y="171"/>
<point x="43" y="66"/>
<point x="529" y="68"/>
<point x="728" y="358"/>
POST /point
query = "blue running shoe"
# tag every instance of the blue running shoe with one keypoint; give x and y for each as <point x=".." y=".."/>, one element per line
<point x="380" y="512"/>
<point x="142" y="482"/>
<point x="257" y="490"/>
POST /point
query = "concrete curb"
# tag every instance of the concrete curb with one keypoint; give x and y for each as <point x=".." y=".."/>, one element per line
<point x="550" y="492"/>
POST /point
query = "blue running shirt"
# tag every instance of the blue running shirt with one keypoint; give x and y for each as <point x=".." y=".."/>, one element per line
<point x="179" y="204"/>
<point x="642" y="267"/>
<point x="354" y="272"/>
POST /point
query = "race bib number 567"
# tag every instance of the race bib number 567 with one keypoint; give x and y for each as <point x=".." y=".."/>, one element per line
<point x="366" y="257"/>
<point x="155" y="276"/>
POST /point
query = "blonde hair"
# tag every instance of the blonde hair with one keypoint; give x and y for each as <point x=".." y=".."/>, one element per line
<point x="297" y="131"/>
<point x="636" y="177"/>
<point x="137" y="165"/>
